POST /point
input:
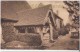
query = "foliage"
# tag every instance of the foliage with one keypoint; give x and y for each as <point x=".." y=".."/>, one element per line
<point x="15" y="45"/>
<point x="73" y="9"/>
<point x="31" y="39"/>
<point x="9" y="38"/>
<point x="73" y="6"/>
<point x="55" y="35"/>
<point x="63" y="31"/>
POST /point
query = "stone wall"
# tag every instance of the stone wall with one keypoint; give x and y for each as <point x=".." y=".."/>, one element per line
<point x="7" y="30"/>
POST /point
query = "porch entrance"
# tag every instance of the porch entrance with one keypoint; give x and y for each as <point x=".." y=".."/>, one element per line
<point x="46" y="39"/>
<point x="46" y="35"/>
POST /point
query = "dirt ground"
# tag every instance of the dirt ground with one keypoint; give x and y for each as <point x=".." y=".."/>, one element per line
<point x="65" y="43"/>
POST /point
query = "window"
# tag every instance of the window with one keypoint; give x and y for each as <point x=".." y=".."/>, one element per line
<point x="21" y="30"/>
<point x="31" y="30"/>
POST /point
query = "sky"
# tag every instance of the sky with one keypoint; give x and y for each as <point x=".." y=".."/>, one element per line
<point x="56" y="6"/>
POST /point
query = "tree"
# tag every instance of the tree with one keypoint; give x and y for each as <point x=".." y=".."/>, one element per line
<point x="73" y="9"/>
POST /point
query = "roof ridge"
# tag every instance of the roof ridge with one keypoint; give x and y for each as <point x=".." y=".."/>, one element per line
<point x="57" y="16"/>
<point x="35" y="8"/>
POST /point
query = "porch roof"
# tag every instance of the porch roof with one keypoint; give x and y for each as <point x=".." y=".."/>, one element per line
<point x="33" y="16"/>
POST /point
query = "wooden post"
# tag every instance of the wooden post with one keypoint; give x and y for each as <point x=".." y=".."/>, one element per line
<point x="41" y="34"/>
<point x="51" y="32"/>
<point x="26" y="30"/>
<point x="16" y="31"/>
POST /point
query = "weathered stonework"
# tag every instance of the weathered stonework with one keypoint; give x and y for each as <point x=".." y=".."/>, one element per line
<point x="7" y="30"/>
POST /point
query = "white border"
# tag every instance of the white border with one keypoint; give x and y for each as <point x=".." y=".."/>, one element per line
<point x="40" y="0"/>
<point x="39" y="50"/>
<point x="5" y="50"/>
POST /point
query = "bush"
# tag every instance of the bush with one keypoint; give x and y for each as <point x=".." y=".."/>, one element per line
<point x="31" y="39"/>
<point x="63" y="31"/>
<point x="55" y="36"/>
<point x="15" y="45"/>
<point x="9" y="38"/>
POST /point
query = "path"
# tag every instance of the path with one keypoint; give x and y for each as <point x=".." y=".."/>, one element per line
<point x="63" y="43"/>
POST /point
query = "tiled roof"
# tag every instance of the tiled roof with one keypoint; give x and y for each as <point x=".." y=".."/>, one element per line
<point x="9" y="8"/>
<point x="33" y="16"/>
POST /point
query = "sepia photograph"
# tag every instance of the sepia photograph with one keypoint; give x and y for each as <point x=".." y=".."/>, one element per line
<point x="40" y="25"/>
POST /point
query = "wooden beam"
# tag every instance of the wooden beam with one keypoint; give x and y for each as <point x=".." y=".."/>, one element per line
<point x="51" y="32"/>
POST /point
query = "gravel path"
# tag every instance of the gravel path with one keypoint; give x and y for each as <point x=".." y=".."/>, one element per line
<point x="64" y="43"/>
